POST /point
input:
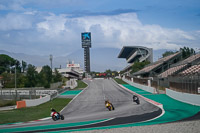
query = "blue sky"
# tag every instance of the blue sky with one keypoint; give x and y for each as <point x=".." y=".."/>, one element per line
<point x="54" y="26"/>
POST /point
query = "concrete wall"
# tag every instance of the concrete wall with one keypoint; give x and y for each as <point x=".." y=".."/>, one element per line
<point x="39" y="101"/>
<point x="72" y="83"/>
<point x="55" y="85"/>
<point x="184" y="97"/>
<point x="143" y="87"/>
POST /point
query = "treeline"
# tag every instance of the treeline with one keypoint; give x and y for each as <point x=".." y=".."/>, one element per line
<point x="185" y="51"/>
<point x="26" y="75"/>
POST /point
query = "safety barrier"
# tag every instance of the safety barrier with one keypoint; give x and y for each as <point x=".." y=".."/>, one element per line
<point x="193" y="99"/>
<point x="39" y="101"/>
<point x="21" y="104"/>
<point x="34" y="102"/>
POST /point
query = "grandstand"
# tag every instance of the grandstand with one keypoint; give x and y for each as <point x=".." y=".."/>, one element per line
<point x="172" y="72"/>
<point x="135" y="53"/>
<point x="193" y="70"/>
<point x="181" y="66"/>
<point x="72" y="70"/>
<point x="159" y="66"/>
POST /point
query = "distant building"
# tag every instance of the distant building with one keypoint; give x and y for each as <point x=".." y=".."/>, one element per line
<point x="38" y="69"/>
<point x="135" y="53"/>
<point x="72" y="70"/>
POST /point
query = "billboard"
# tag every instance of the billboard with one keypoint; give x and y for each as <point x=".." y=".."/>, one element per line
<point x="73" y="65"/>
<point x="86" y="39"/>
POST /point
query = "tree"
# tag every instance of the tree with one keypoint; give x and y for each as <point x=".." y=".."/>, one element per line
<point x="138" y="66"/>
<point x="57" y="77"/>
<point x="6" y="63"/>
<point x="167" y="53"/>
<point x="8" y="80"/>
<point x="21" y="80"/>
<point x="31" y="76"/>
<point x="186" y="52"/>
<point x="45" y="76"/>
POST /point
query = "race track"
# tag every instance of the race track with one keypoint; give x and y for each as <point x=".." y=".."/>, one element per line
<point x="89" y="106"/>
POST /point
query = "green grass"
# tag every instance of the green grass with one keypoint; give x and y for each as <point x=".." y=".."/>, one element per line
<point x="81" y="85"/>
<point x="32" y="113"/>
<point x="7" y="103"/>
<point x="119" y="81"/>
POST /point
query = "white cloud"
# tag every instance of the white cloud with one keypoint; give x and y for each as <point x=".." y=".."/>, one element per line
<point x="62" y="32"/>
<point x="114" y="31"/>
<point x="15" y="22"/>
<point x="53" y="24"/>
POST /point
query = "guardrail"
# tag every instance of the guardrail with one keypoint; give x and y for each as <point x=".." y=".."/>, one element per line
<point x="193" y="99"/>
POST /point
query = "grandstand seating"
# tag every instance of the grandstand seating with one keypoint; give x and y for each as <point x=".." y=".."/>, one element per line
<point x="157" y="63"/>
<point x="195" y="69"/>
<point x="178" y="66"/>
<point x="190" y="59"/>
<point x="171" y="71"/>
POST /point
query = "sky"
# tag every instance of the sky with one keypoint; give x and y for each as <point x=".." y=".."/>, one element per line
<point x="43" y="27"/>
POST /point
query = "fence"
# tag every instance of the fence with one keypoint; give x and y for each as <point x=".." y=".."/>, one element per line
<point x="142" y="81"/>
<point x="24" y="94"/>
<point x="187" y="84"/>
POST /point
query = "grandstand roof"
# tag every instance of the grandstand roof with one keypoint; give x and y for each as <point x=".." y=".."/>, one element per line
<point x="133" y="53"/>
<point x="127" y="50"/>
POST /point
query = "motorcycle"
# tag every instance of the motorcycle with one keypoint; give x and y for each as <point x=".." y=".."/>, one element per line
<point x="136" y="99"/>
<point x="57" y="116"/>
<point x="109" y="106"/>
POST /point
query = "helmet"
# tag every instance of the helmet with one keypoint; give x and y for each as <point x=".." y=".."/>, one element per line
<point x="52" y="109"/>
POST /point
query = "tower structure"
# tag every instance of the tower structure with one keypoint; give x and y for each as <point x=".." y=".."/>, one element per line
<point x="51" y="58"/>
<point x="86" y="44"/>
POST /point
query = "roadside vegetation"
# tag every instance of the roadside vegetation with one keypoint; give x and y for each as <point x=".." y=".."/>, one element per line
<point x="119" y="81"/>
<point x="26" y="74"/>
<point x="7" y="103"/>
<point x="81" y="85"/>
<point x="32" y="113"/>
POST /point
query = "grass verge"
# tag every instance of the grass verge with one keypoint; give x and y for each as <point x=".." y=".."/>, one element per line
<point x="7" y="103"/>
<point x="32" y="113"/>
<point x="119" y="81"/>
<point x="81" y="84"/>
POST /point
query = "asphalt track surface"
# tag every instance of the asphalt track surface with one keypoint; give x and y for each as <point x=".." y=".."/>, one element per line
<point x="89" y="105"/>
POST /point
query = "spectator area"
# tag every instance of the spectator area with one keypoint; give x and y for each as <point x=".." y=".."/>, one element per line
<point x="160" y="65"/>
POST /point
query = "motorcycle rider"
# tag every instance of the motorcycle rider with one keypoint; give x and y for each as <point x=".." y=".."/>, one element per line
<point x="54" y="113"/>
<point x="136" y="99"/>
<point x="109" y="104"/>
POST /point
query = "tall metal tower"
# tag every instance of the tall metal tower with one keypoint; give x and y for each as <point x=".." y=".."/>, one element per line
<point x="86" y="44"/>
